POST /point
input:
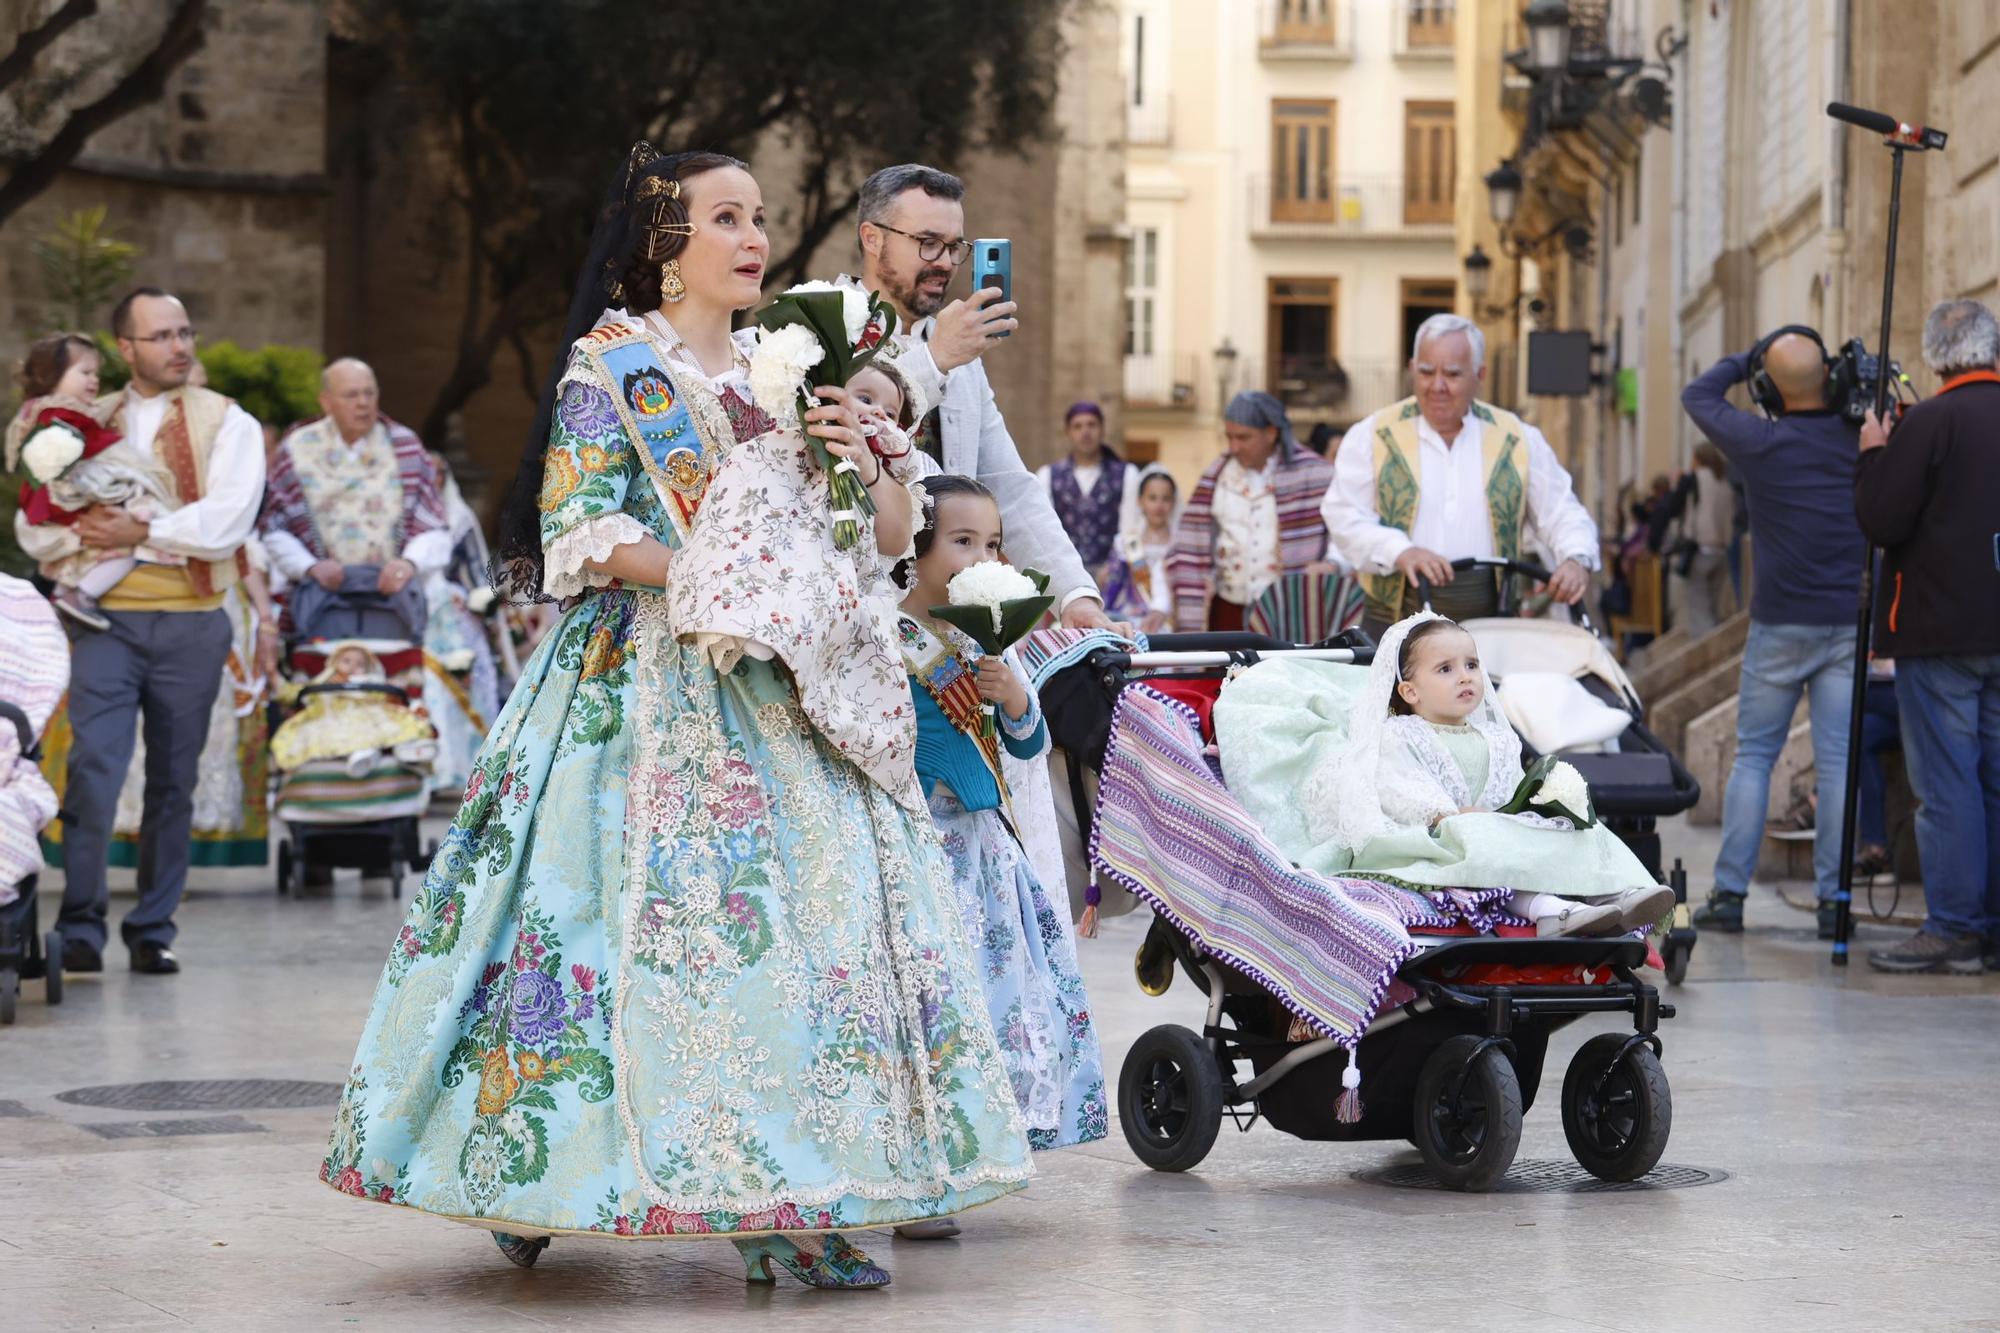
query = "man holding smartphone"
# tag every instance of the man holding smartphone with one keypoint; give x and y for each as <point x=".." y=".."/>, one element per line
<point x="912" y="243"/>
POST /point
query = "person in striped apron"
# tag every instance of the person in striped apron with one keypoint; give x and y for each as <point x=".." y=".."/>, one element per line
<point x="1252" y="518"/>
<point x="1442" y="475"/>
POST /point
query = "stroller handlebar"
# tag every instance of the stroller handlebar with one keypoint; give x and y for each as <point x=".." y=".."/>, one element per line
<point x="1219" y="657"/>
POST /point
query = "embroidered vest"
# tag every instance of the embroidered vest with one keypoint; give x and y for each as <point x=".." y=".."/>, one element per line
<point x="1090" y="520"/>
<point x="353" y="492"/>
<point x="1503" y="446"/>
<point x="183" y="443"/>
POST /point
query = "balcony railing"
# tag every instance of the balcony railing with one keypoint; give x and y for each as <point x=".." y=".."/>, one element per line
<point x="1151" y="121"/>
<point x="1426" y="29"/>
<point x="1163" y="380"/>
<point x="1342" y="206"/>
<point x="1307" y="30"/>
<point x="1339" y="392"/>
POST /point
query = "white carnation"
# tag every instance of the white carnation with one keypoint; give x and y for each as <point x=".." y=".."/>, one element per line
<point x="778" y="368"/>
<point x="458" y="660"/>
<point x="988" y="584"/>
<point x="1564" y="786"/>
<point x="480" y="600"/>
<point x="853" y="305"/>
<point x="51" y="450"/>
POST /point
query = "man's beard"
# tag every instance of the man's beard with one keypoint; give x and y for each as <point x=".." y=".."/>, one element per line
<point x="911" y="296"/>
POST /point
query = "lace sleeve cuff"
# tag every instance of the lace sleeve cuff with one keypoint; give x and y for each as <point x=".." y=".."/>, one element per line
<point x="1024" y="727"/>
<point x="567" y="561"/>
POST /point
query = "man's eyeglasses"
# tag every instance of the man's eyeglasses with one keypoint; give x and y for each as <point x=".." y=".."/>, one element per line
<point x="188" y="336"/>
<point x="931" y="248"/>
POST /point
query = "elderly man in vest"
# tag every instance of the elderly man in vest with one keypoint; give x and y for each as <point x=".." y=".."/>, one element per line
<point x="162" y="657"/>
<point x="354" y="500"/>
<point x="1441" y="476"/>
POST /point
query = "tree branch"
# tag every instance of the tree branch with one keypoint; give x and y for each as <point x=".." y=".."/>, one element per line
<point x="36" y="40"/>
<point x="816" y="228"/>
<point x="146" y="83"/>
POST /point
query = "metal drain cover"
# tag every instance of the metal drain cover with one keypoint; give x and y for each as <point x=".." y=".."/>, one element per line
<point x="226" y="1094"/>
<point x="1530" y="1175"/>
<point x="173" y="1129"/>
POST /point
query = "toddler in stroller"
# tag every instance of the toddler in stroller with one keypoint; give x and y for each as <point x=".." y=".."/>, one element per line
<point x="34" y="671"/>
<point x="1443" y="996"/>
<point x="354" y="761"/>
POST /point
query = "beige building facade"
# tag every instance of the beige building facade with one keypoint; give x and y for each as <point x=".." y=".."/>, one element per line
<point x="1747" y="208"/>
<point x="1291" y="168"/>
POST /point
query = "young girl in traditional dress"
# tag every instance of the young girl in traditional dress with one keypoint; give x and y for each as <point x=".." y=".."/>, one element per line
<point x="1033" y="987"/>
<point x="59" y="379"/>
<point x="1135" y="587"/>
<point x="1412" y="796"/>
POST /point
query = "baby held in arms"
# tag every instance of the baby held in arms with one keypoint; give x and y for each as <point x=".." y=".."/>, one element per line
<point x="1415" y="796"/>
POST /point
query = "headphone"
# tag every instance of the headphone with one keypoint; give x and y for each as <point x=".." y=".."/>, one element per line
<point x="1762" y="391"/>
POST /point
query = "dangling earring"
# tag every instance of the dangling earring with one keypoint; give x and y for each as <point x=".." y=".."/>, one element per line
<point x="671" y="286"/>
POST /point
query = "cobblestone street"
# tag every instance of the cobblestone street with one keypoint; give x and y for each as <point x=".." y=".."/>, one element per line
<point x="1844" y="1111"/>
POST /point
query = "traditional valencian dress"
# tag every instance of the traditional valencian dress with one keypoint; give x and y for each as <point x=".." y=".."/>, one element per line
<point x="678" y="967"/>
<point x="1034" y="990"/>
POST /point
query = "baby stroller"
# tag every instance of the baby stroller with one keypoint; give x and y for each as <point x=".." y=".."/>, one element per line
<point x="1565" y="692"/>
<point x="339" y="813"/>
<point x="1450" y="1024"/>
<point x="34" y="671"/>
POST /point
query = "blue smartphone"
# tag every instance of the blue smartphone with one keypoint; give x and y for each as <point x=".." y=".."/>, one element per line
<point x="993" y="266"/>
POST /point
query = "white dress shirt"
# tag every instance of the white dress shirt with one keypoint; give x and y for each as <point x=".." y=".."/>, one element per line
<point x="1452" y="518"/>
<point x="211" y="528"/>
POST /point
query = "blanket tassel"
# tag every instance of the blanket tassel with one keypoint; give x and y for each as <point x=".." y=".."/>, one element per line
<point x="1347" y="1107"/>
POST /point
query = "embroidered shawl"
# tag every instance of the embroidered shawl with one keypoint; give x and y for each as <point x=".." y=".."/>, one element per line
<point x="1299" y="484"/>
<point x="182" y="444"/>
<point x="359" y="506"/>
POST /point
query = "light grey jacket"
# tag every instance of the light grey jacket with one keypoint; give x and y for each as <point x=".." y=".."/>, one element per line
<point x="976" y="444"/>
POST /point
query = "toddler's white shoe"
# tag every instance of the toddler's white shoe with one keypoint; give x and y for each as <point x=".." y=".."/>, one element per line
<point x="1579" y="919"/>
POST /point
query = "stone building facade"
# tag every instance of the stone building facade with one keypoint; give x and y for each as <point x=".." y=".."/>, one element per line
<point x="286" y="189"/>
<point x="221" y="183"/>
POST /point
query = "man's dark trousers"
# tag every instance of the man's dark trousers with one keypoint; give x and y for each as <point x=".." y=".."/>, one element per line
<point x="164" y="666"/>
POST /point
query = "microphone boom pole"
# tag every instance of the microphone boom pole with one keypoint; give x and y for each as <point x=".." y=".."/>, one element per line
<point x="1900" y="138"/>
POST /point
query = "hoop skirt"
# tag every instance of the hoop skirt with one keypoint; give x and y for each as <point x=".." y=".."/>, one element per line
<point x="678" y="967"/>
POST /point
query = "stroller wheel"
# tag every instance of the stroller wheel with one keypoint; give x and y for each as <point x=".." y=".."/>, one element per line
<point x="10" y="991"/>
<point x="1467" y="1117"/>
<point x="286" y="865"/>
<point x="1675" y="953"/>
<point x="1617" y="1110"/>
<point x="1170" y="1098"/>
<point x="52" y="977"/>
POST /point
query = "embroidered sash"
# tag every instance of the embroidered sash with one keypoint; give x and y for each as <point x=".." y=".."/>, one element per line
<point x="1503" y="446"/>
<point x="947" y="676"/>
<point x="679" y="454"/>
<point x="183" y="443"/>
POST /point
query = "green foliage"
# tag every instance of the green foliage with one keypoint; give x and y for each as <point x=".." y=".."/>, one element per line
<point x="542" y="102"/>
<point x="112" y="372"/>
<point x="276" y="384"/>
<point x="84" y="268"/>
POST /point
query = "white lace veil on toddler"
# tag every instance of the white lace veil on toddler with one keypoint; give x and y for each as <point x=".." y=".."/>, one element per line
<point x="1344" y="800"/>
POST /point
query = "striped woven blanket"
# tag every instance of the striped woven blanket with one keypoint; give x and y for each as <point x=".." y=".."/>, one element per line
<point x="1169" y="831"/>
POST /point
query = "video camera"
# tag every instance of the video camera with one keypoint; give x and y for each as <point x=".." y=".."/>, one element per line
<point x="1853" y="374"/>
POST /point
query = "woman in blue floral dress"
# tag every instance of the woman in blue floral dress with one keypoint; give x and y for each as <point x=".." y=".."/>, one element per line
<point x="679" y="967"/>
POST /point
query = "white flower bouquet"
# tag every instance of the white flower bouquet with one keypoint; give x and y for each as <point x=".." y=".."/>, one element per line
<point x="815" y="335"/>
<point x="52" y="451"/>
<point x="1553" y="787"/>
<point x="995" y="605"/>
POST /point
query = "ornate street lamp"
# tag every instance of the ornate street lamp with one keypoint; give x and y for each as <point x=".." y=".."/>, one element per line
<point x="1478" y="275"/>
<point x="1225" y="372"/>
<point x="1503" y="194"/>
<point x="1548" y="36"/>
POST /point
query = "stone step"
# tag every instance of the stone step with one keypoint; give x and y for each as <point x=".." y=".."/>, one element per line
<point x="1677" y="659"/>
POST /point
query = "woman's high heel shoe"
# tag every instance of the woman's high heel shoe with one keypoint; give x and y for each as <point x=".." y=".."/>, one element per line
<point x="837" y="1265"/>
<point x="522" y="1250"/>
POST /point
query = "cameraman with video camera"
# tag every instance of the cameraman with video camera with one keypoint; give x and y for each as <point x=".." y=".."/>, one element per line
<point x="1797" y="463"/>
<point x="1931" y="500"/>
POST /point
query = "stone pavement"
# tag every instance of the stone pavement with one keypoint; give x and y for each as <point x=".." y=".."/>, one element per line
<point x="1852" y="1114"/>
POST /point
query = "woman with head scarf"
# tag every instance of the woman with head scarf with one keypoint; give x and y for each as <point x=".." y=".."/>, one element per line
<point x="681" y="966"/>
<point x="1253" y="517"/>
